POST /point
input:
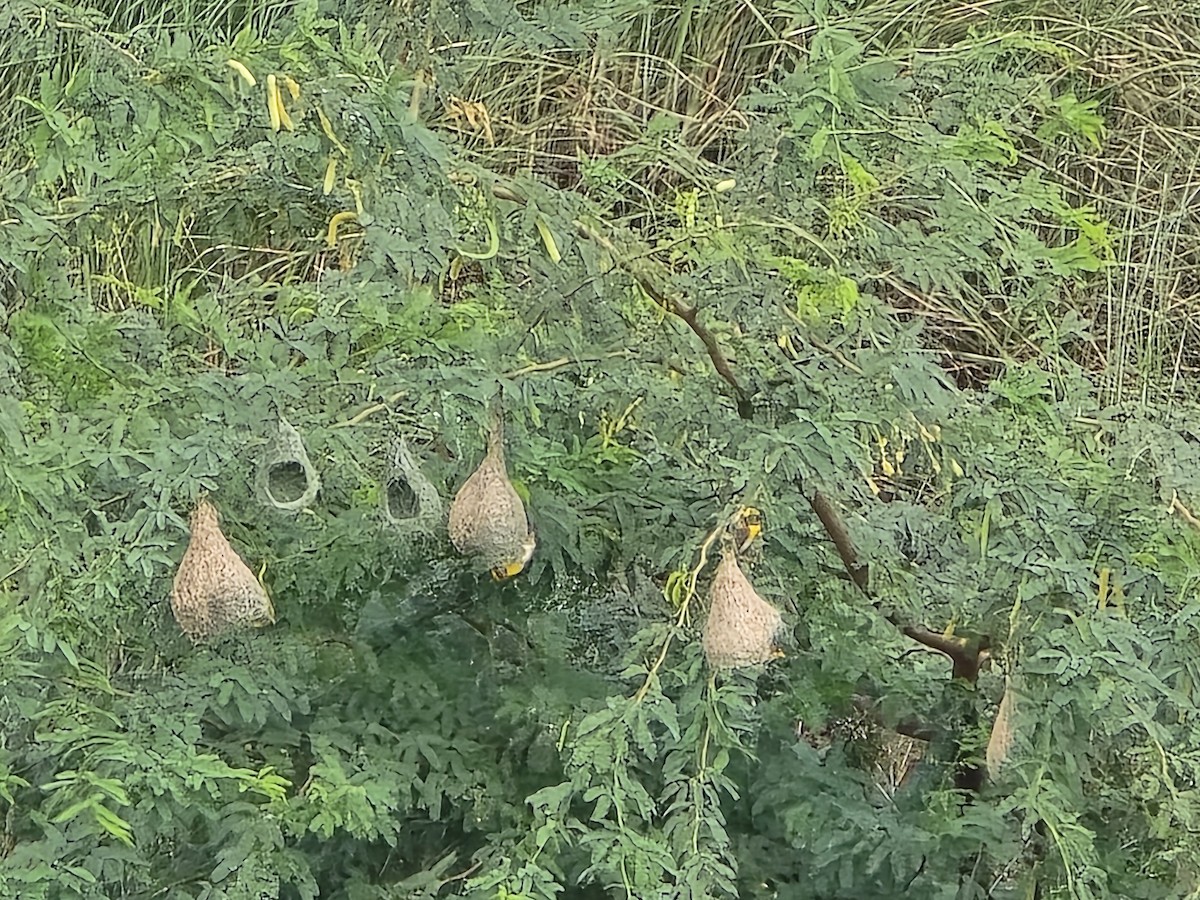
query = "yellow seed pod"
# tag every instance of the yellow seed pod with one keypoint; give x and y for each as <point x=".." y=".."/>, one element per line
<point x="273" y="103"/>
<point x="242" y="71"/>
<point x="330" y="176"/>
<point x="742" y="629"/>
<point x="327" y="127"/>
<point x="276" y="99"/>
<point x="331" y="233"/>
<point x="548" y="240"/>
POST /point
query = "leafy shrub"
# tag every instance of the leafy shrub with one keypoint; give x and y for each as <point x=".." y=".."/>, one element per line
<point x="694" y="328"/>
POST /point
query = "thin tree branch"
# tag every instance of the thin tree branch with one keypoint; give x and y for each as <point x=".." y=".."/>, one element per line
<point x="676" y="307"/>
<point x="836" y="529"/>
<point x="1184" y="513"/>
<point x="967" y="655"/>
<point x="370" y="411"/>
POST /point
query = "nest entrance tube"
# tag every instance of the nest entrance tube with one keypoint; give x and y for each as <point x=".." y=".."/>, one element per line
<point x="286" y="479"/>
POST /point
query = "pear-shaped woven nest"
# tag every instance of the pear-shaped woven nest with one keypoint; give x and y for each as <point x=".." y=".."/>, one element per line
<point x="742" y="629"/>
<point x="214" y="590"/>
<point x="487" y="518"/>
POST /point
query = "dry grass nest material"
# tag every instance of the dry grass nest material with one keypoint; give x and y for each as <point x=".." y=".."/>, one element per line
<point x="487" y="519"/>
<point x="742" y="629"/>
<point x="214" y="590"/>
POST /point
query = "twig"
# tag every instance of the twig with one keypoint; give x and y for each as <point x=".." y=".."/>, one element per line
<point x="370" y="411"/>
<point x="1184" y="512"/>
<point x="539" y="367"/>
<point x="823" y="347"/>
<point x="461" y="875"/>
<point x="693" y="576"/>
<point x="104" y="38"/>
<point x="676" y="307"/>
<point x="21" y="565"/>
<point x="553" y="364"/>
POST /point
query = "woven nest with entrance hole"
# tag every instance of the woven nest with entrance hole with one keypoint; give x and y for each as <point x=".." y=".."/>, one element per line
<point x="286" y="479"/>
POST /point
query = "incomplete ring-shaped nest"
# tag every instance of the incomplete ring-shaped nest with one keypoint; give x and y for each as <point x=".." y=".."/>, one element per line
<point x="286" y="479"/>
<point x="412" y="506"/>
<point x="214" y="590"/>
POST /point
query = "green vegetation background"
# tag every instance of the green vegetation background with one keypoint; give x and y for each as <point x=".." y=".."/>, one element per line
<point x="937" y="261"/>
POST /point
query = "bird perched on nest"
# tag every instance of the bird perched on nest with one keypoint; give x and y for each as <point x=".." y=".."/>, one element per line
<point x="747" y="526"/>
<point x="487" y="518"/>
<point x="214" y="590"/>
<point x="742" y="628"/>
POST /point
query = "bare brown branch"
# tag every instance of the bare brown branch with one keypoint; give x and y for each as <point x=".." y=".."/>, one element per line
<point x="689" y="315"/>
<point x="967" y="655"/>
<point x="836" y="529"/>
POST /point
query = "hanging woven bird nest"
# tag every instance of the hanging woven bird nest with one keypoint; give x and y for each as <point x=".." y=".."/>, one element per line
<point x="286" y="479"/>
<point x="742" y="628"/>
<point x="214" y="590"/>
<point x="1001" y="739"/>
<point x="487" y="519"/>
<point x="412" y="505"/>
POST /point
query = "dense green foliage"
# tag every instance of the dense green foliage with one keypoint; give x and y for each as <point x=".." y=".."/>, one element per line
<point x="797" y="255"/>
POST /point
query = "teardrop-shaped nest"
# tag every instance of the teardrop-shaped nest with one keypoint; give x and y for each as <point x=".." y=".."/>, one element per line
<point x="286" y="460"/>
<point x="742" y="628"/>
<point x="487" y="518"/>
<point x="214" y="590"/>
<point x="412" y="505"/>
<point x="1003" y="731"/>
